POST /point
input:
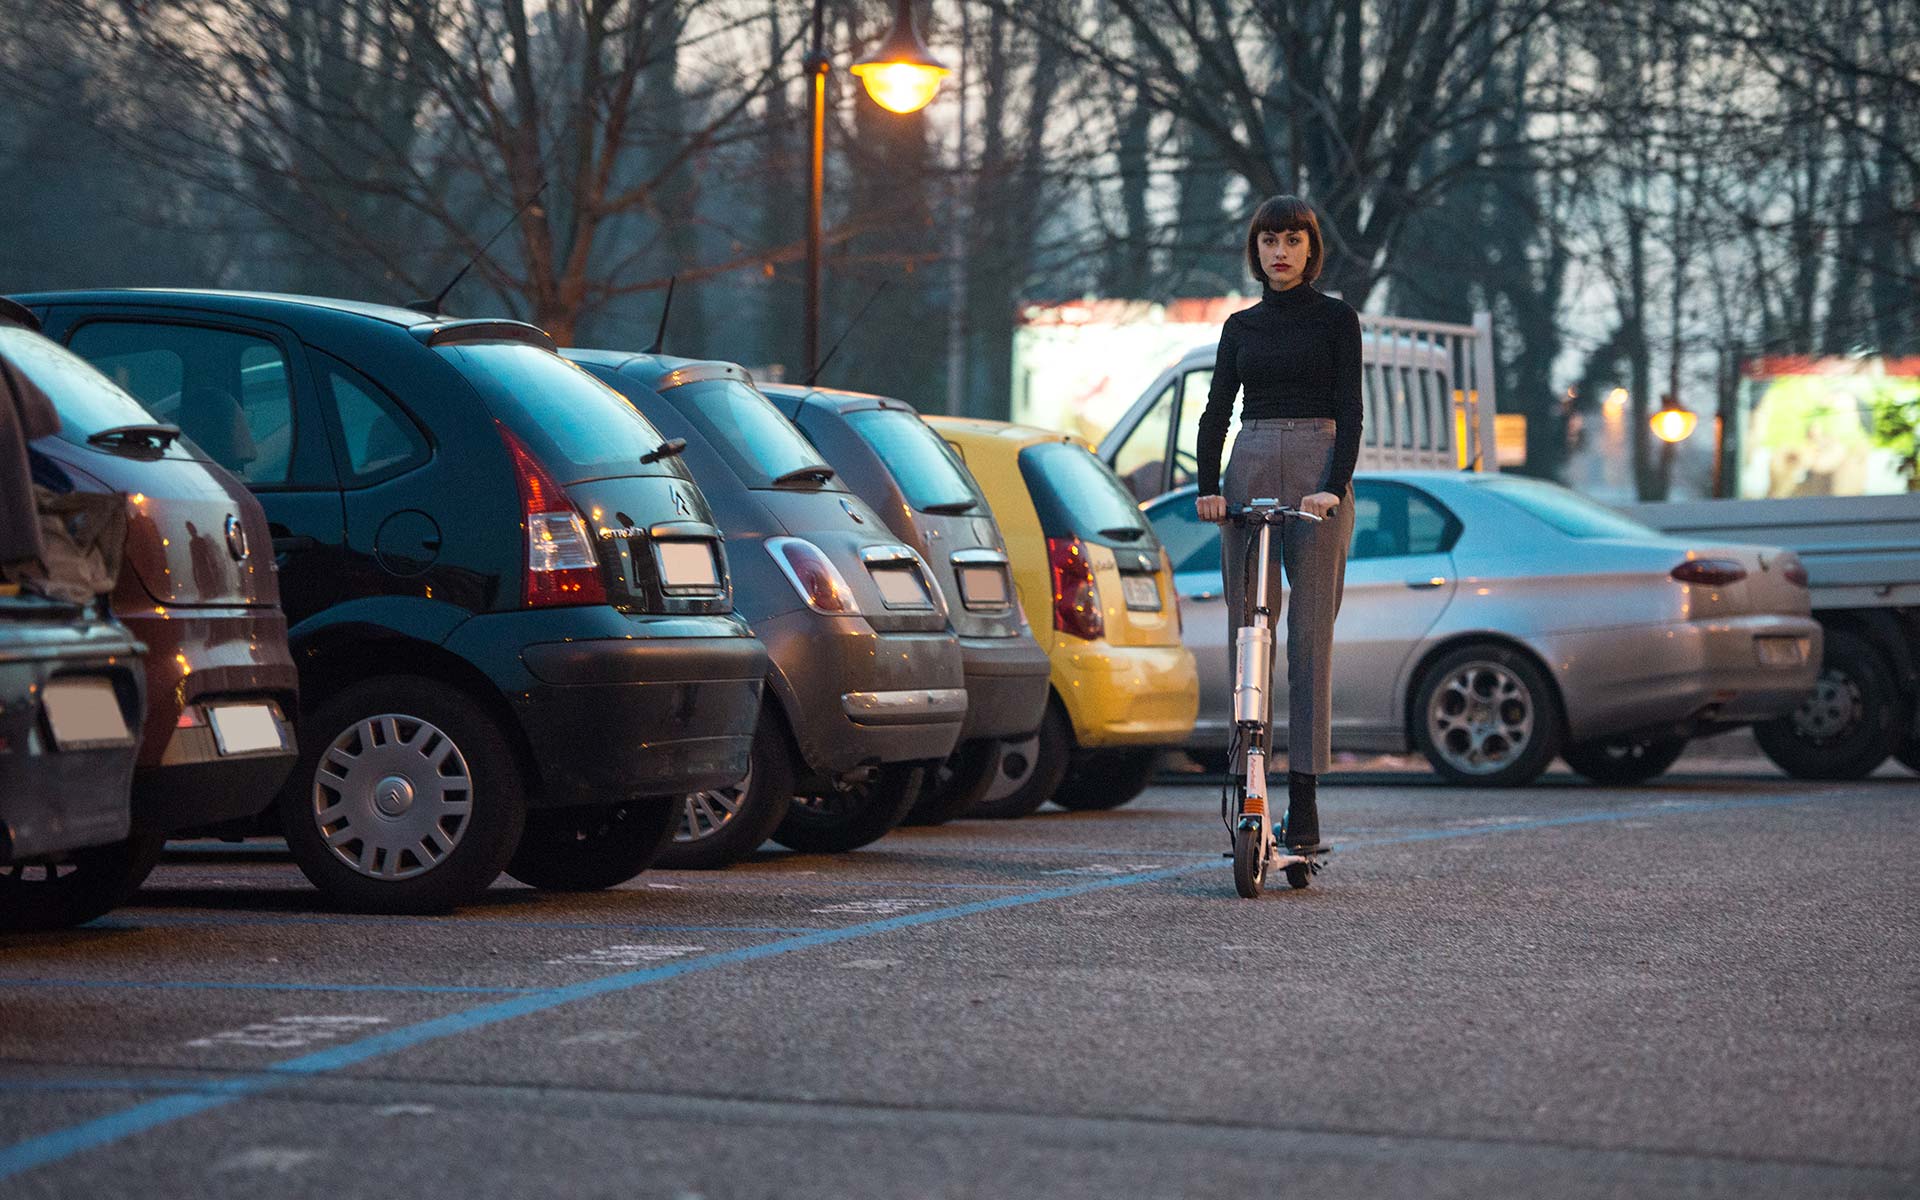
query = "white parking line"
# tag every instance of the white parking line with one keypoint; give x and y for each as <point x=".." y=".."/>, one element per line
<point x="874" y="908"/>
<point x="624" y="956"/>
<point x="289" y="1033"/>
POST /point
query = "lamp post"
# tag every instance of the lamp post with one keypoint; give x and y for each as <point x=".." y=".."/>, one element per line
<point x="901" y="76"/>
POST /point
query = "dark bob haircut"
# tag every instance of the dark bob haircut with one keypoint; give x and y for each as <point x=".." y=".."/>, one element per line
<point x="1278" y="214"/>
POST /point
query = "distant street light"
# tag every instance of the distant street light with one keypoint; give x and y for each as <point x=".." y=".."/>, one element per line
<point x="1674" y="422"/>
<point x="1616" y="401"/>
<point x="901" y="76"/>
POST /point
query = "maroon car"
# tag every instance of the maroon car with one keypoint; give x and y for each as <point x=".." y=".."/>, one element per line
<point x="198" y="586"/>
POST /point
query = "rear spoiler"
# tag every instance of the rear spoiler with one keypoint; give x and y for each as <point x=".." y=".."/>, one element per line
<point x="459" y="333"/>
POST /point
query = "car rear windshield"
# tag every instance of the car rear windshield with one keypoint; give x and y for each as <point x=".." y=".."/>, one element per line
<point x="86" y="400"/>
<point x="749" y="432"/>
<point x="1569" y="512"/>
<point x="575" y="425"/>
<point x="926" y="469"/>
<point x="1076" y="495"/>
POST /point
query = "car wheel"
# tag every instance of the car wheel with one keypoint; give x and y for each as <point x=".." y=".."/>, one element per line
<point x="1623" y="761"/>
<point x="1053" y="750"/>
<point x="406" y="799"/>
<point x="957" y="784"/>
<point x="720" y="826"/>
<point x="37" y="896"/>
<point x="1486" y="714"/>
<point x="1104" y="779"/>
<point x="1848" y="725"/>
<point x="587" y="849"/>
<point x="849" y="817"/>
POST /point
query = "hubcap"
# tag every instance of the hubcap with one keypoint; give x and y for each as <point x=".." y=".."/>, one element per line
<point x="392" y="796"/>
<point x="705" y="813"/>
<point x="1830" y="709"/>
<point x="1481" y="718"/>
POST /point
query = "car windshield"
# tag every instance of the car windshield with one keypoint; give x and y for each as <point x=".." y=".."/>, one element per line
<point x="1076" y="495"/>
<point x="758" y="443"/>
<point x="574" y="424"/>
<point x="1567" y="511"/>
<point x="86" y="400"/>
<point x="927" y="471"/>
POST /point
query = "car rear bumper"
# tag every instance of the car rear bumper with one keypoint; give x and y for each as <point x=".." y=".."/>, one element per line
<point x="617" y="707"/>
<point x="854" y="696"/>
<point x="1128" y="695"/>
<point x="1007" y="679"/>
<point x="53" y="800"/>
<point x="1679" y="678"/>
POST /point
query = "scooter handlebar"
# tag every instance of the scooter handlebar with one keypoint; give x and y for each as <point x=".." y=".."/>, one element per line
<point x="1266" y="512"/>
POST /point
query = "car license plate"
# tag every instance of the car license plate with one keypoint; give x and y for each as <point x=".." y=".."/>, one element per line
<point x="687" y="565"/>
<point x="1142" y="592"/>
<point x="900" y="587"/>
<point x="984" y="587"/>
<point x="243" y="728"/>
<point x="1781" y="651"/>
<point x="84" y="713"/>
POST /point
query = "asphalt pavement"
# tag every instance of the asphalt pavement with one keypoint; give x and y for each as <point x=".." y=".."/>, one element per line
<point x="1705" y="987"/>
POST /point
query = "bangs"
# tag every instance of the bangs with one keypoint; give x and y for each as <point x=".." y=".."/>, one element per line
<point x="1282" y="213"/>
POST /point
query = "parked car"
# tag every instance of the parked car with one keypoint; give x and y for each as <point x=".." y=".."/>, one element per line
<point x="1098" y="592"/>
<point x="1494" y="621"/>
<point x="888" y="456"/>
<point x="197" y="587"/>
<point x="866" y="688"/>
<point x="71" y="683"/>
<point x="511" y="617"/>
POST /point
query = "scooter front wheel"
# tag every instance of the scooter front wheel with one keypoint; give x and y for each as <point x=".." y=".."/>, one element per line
<point x="1249" y="863"/>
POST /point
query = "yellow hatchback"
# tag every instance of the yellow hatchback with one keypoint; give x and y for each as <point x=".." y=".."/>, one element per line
<point x="1098" y="590"/>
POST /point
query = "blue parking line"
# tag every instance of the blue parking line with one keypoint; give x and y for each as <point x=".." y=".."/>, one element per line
<point x="101" y="1131"/>
<point x="188" y="985"/>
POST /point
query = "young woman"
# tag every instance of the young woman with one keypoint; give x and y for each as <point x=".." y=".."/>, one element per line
<point x="1297" y="356"/>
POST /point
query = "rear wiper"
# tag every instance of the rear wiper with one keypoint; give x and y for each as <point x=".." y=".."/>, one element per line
<point x="1123" y="533"/>
<point x="666" y="449"/>
<point x="952" y="508"/>
<point x="819" y="472"/>
<point x="154" y="437"/>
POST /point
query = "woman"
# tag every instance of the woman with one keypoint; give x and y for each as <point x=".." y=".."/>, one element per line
<point x="1297" y="355"/>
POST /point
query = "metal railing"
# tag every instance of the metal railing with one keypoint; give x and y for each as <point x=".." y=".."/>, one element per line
<point x="1427" y="388"/>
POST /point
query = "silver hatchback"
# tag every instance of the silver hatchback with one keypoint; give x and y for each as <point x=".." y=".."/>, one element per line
<point x="1494" y="621"/>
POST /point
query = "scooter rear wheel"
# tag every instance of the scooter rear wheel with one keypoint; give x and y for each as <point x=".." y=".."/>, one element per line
<point x="1299" y="875"/>
<point x="1249" y="863"/>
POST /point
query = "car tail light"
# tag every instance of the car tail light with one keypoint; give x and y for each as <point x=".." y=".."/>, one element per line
<point x="1710" y="572"/>
<point x="1793" y="570"/>
<point x="561" y="565"/>
<point x="814" y="576"/>
<point x="1076" y="598"/>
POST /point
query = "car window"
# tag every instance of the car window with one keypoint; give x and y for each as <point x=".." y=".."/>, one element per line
<point x="1193" y="403"/>
<point x="746" y="429"/>
<point x="1076" y="495"/>
<point x="1567" y="511"/>
<point x="226" y="390"/>
<point x="1192" y="544"/>
<point x="575" y="425"/>
<point x="1141" y="460"/>
<point x="378" y="439"/>
<point x="926" y="470"/>
<point x="86" y="400"/>
<point x="1391" y="520"/>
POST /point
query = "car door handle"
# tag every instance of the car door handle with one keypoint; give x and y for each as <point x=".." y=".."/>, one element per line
<point x="295" y="542"/>
<point x="1427" y="581"/>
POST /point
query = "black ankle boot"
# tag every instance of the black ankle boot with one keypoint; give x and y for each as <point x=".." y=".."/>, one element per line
<point x="1303" y="811"/>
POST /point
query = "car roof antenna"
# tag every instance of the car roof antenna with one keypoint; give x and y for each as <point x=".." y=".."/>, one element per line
<point x="851" y="326"/>
<point x="660" y="337"/>
<point x="433" y="306"/>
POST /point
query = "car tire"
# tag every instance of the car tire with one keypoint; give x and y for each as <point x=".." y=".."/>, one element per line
<point x="371" y="760"/>
<point x="1623" y="761"/>
<point x="1105" y="779"/>
<point x="720" y="826"/>
<point x="1849" y="723"/>
<point x="1053" y="751"/>
<point x="1487" y="715"/>
<point x="957" y="784"/>
<point x="850" y="817"/>
<point x="590" y="849"/>
<point x="88" y="884"/>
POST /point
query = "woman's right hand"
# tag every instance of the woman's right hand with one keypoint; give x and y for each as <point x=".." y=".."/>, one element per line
<point x="1211" y="508"/>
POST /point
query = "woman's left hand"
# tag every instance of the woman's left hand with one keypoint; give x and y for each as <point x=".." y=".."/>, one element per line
<point x="1319" y="504"/>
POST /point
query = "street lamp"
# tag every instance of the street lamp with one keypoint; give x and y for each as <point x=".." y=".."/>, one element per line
<point x="901" y="76"/>
<point x="1673" y="423"/>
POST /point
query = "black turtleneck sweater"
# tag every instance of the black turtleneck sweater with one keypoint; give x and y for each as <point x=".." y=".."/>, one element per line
<point x="1297" y="354"/>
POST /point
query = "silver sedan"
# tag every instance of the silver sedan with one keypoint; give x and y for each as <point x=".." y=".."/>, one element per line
<point x="1494" y="621"/>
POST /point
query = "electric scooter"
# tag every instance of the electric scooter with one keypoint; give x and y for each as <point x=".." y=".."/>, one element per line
<point x="1243" y="800"/>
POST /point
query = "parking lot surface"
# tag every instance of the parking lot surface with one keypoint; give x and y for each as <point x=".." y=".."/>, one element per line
<point x="1710" y="986"/>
